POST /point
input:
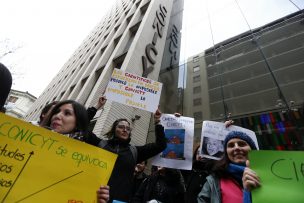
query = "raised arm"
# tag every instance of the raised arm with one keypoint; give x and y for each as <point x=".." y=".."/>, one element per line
<point x="100" y="104"/>
<point x="149" y="150"/>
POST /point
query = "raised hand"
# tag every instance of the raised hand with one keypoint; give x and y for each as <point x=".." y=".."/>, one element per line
<point x="157" y="116"/>
<point x="101" y="102"/>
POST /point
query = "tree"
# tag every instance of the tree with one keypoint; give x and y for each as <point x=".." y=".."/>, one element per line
<point x="7" y="49"/>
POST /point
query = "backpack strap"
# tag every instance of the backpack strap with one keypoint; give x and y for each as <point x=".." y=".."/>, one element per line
<point x="133" y="149"/>
<point x="102" y="143"/>
<point x="134" y="152"/>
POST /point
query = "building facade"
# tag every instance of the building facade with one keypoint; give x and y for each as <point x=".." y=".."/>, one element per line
<point x="134" y="36"/>
<point x="18" y="103"/>
<point x="255" y="78"/>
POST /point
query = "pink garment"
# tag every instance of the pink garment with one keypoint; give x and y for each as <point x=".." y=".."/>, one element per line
<point x="231" y="191"/>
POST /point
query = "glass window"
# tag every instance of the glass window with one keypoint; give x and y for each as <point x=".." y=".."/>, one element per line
<point x="196" y="68"/>
<point x="197" y="89"/>
<point x="197" y="102"/>
<point x="198" y="115"/>
<point x="12" y="99"/>
<point x="195" y="59"/>
<point x="196" y="78"/>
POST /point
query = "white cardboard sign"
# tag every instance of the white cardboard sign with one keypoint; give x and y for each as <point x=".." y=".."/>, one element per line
<point x="213" y="136"/>
<point x="133" y="90"/>
<point x="179" y="132"/>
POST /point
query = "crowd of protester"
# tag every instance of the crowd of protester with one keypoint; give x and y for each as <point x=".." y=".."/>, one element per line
<point x="210" y="181"/>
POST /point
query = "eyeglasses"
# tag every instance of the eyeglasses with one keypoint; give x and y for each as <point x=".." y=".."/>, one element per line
<point x="123" y="127"/>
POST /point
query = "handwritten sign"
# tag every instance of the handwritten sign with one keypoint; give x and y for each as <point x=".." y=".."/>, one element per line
<point x="179" y="132"/>
<point x="38" y="165"/>
<point x="213" y="136"/>
<point x="133" y="90"/>
<point x="281" y="174"/>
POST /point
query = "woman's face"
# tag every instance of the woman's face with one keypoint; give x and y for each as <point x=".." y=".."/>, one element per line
<point x="64" y="119"/>
<point x="123" y="130"/>
<point x="237" y="150"/>
<point x="213" y="146"/>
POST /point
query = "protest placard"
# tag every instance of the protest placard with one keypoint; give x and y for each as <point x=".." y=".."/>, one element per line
<point x="213" y="136"/>
<point x="38" y="165"/>
<point x="281" y="174"/>
<point x="179" y="132"/>
<point x="133" y="90"/>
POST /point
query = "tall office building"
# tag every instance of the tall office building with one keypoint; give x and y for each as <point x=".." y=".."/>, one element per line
<point x="258" y="77"/>
<point x="137" y="36"/>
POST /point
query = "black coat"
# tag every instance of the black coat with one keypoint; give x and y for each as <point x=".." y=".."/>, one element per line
<point x="121" y="180"/>
<point x="196" y="178"/>
<point x="166" y="188"/>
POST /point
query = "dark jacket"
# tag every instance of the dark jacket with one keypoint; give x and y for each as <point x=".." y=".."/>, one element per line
<point x="121" y="180"/>
<point x="196" y="178"/>
<point x="91" y="112"/>
<point x="138" y="179"/>
<point x="91" y="138"/>
<point x="166" y="188"/>
<point x="5" y="84"/>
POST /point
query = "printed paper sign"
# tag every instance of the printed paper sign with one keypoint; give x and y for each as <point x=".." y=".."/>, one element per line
<point x="38" y="165"/>
<point x="213" y="136"/>
<point x="281" y="174"/>
<point x="133" y="90"/>
<point x="179" y="132"/>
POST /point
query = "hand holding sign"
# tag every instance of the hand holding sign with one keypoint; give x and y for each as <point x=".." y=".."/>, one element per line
<point x="250" y="178"/>
<point x="103" y="194"/>
<point x="157" y="116"/>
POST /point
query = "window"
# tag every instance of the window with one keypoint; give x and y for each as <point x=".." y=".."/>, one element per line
<point x="91" y="57"/>
<point x="196" y="78"/>
<point x="196" y="89"/>
<point x="197" y="102"/>
<point x="195" y="59"/>
<point x="196" y="68"/>
<point x="12" y="99"/>
<point x="198" y="115"/>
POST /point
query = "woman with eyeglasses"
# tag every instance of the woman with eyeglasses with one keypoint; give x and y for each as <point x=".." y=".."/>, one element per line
<point x="121" y="180"/>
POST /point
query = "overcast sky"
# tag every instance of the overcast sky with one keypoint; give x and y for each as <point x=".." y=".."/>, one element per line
<point x="49" y="31"/>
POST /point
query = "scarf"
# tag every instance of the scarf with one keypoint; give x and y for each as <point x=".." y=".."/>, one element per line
<point x="236" y="171"/>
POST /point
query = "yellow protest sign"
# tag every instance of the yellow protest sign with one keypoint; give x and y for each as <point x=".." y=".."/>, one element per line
<point x="38" y="165"/>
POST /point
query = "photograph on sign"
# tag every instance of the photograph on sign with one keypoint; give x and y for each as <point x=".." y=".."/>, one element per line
<point x="175" y="144"/>
<point x="132" y="90"/>
<point x="213" y="147"/>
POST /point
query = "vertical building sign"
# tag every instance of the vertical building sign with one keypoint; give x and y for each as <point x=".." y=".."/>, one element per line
<point x="173" y="45"/>
<point x="148" y="60"/>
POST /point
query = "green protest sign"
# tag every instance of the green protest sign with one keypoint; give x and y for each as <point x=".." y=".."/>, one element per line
<point x="282" y="176"/>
